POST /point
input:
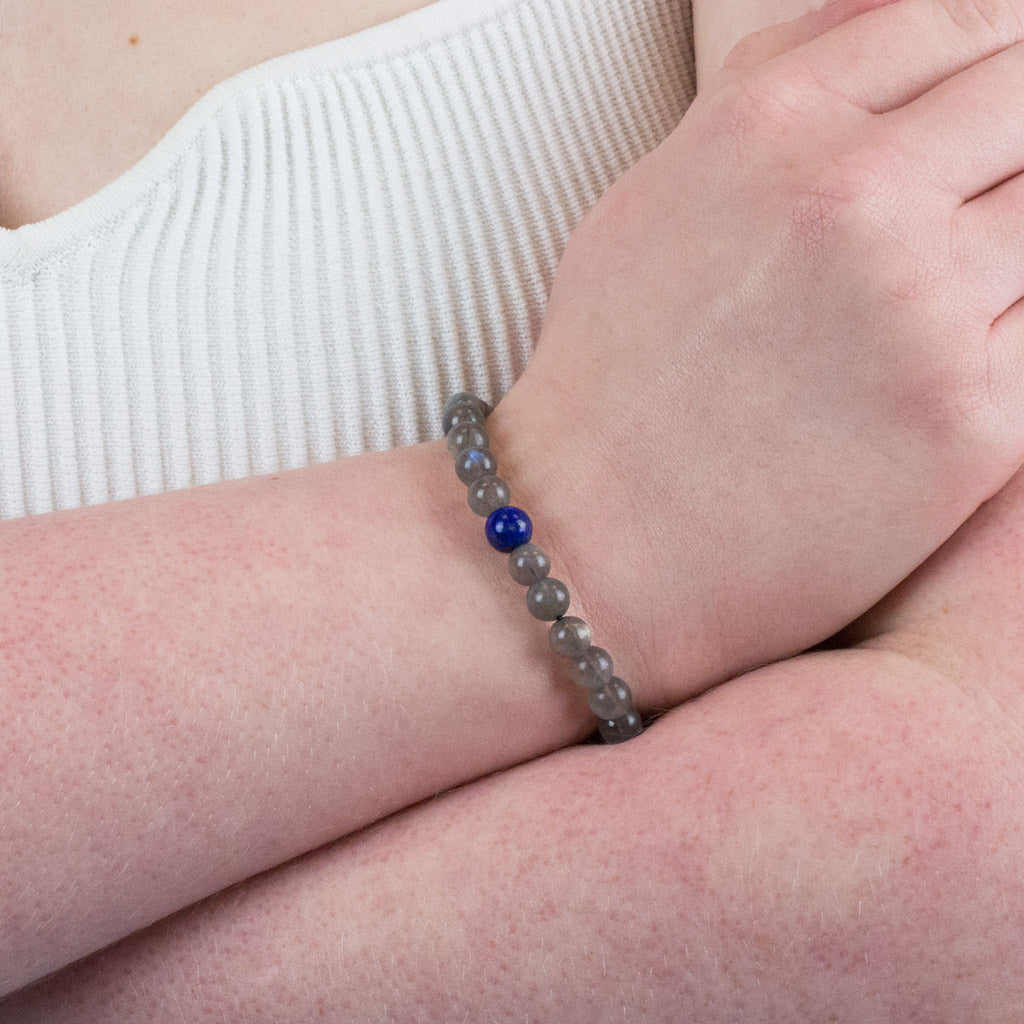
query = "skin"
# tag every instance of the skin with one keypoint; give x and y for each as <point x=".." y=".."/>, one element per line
<point x="145" y="61"/>
<point x="223" y="699"/>
<point x="718" y="27"/>
<point x="894" y="812"/>
<point x="836" y="837"/>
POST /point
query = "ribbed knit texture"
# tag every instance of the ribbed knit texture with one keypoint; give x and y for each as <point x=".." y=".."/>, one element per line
<point x="323" y="248"/>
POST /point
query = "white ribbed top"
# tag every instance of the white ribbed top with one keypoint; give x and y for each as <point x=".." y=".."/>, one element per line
<point x="324" y="247"/>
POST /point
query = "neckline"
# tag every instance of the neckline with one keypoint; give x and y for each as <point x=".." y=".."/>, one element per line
<point x="25" y="248"/>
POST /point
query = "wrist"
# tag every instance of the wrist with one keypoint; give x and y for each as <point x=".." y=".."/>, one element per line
<point x="585" y="518"/>
<point x="683" y="593"/>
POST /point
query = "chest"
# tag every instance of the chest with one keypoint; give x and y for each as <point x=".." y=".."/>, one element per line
<point x="86" y="90"/>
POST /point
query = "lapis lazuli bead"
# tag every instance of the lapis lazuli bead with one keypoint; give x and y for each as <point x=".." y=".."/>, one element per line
<point x="508" y="527"/>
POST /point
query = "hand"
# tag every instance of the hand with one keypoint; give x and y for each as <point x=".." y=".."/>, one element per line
<point x="781" y="361"/>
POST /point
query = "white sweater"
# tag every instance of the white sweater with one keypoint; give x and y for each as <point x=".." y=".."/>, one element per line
<point x="323" y="247"/>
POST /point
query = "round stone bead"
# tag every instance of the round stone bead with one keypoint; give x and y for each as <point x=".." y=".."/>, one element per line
<point x="508" y="527"/>
<point x="592" y="669"/>
<point x="462" y="400"/>
<point x="569" y="637"/>
<point x="618" y="730"/>
<point x="474" y="463"/>
<point x="547" y="599"/>
<point x="612" y="700"/>
<point x="466" y="435"/>
<point x="528" y="564"/>
<point x="487" y="494"/>
<point x="465" y="414"/>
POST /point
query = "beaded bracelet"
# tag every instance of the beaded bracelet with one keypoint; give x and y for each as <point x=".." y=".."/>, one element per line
<point x="509" y="530"/>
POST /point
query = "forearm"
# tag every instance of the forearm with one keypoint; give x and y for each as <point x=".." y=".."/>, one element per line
<point x="770" y="853"/>
<point x="202" y="684"/>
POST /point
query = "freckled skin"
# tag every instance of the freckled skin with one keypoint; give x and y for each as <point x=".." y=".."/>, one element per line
<point x="837" y="837"/>
<point x="847" y="791"/>
<point x="151" y="762"/>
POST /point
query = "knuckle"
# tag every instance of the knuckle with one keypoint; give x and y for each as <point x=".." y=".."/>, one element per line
<point x="759" y="104"/>
<point x="929" y="267"/>
<point x="953" y="378"/>
<point x="924" y="273"/>
<point x="984" y="385"/>
<point x="958" y="385"/>
<point x="864" y="175"/>
<point x="848" y="204"/>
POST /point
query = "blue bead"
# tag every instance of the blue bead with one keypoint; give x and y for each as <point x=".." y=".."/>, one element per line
<point x="508" y="527"/>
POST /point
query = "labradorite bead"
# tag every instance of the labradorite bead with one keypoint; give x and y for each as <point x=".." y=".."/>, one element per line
<point x="547" y="599"/>
<point x="487" y="494"/>
<point x="528" y="563"/>
<point x="474" y="463"/>
<point x="466" y="435"/>
<point x="465" y="414"/>
<point x="592" y="669"/>
<point x="618" y="730"/>
<point x="508" y="527"/>
<point x="612" y="700"/>
<point x="462" y="400"/>
<point x="569" y="636"/>
<point x="458" y="399"/>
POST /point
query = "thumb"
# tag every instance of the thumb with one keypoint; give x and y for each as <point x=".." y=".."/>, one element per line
<point x="761" y="47"/>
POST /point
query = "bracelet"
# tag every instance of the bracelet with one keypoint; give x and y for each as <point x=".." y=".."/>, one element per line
<point x="509" y="530"/>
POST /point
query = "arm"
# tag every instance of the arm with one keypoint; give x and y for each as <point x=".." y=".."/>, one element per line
<point x="200" y="685"/>
<point x="836" y="837"/>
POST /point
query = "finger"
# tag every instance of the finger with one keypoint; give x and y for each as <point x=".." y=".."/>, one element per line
<point x="889" y="56"/>
<point x="766" y="44"/>
<point x="718" y="27"/>
<point x="966" y="133"/>
<point x="991" y="230"/>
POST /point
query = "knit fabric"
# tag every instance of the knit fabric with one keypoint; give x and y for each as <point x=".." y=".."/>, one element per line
<point x="323" y="247"/>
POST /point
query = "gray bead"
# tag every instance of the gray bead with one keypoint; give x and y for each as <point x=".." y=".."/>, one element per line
<point x="462" y="400"/>
<point x="612" y="700"/>
<point x="528" y="563"/>
<point x="467" y="435"/>
<point x="474" y="463"/>
<point x="464" y="414"/>
<point x="547" y="599"/>
<point x="569" y="637"/>
<point x="592" y="669"/>
<point x="487" y="494"/>
<point x="618" y="730"/>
